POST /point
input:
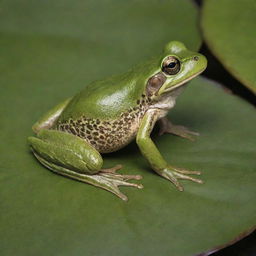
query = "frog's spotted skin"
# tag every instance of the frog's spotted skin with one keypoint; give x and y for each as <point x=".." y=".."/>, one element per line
<point x="108" y="135"/>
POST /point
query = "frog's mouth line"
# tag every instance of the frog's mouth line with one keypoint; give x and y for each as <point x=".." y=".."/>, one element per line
<point x="183" y="82"/>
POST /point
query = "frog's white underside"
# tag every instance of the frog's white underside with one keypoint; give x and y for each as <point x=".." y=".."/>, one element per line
<point x="162" y="107"/>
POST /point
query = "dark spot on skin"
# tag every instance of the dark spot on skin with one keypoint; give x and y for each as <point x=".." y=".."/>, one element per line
<point x="196" y="58"/>
<point x="101" y="131"/>
<point x="73" y="130"/>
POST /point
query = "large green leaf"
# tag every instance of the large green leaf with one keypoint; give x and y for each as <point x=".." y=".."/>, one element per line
<point x="49" y="53"/>
<point x="230" y="32"/>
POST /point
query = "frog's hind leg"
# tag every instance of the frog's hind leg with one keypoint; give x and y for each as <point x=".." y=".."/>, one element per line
<point x="167" y="127"/>
<point x="71" y="156"/>
<point x="105" y="179"/>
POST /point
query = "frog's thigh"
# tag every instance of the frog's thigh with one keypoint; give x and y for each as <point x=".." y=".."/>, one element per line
<point x="50" y="117"/>
<point x="60" y="151"/>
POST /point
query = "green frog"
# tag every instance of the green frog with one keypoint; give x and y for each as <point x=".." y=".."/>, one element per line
<point x="109" y="114"/>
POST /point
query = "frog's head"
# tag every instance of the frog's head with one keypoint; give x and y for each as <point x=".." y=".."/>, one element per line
<point x="177" y="66"/>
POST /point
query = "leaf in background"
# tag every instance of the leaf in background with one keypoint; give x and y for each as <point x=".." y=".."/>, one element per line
<point x="51" y="49"/>
<point x="229" y="28"/>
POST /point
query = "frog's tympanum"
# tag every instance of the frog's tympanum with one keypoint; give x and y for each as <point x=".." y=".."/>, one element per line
<point x="109" y="114"/>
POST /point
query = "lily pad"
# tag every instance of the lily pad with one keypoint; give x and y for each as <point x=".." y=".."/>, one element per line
<point x="49" y="54"/>
<point x="43" y="213"/>
<point x="229" y="31"/>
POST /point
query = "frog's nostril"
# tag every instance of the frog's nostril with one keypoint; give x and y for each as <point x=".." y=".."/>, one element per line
<point x="196" y="58"/>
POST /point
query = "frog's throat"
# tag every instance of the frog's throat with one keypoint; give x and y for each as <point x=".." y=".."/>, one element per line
<point x="167" y="101"/>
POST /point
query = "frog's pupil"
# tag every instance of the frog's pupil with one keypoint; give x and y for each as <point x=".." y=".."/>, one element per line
<point x="171" y="65"/>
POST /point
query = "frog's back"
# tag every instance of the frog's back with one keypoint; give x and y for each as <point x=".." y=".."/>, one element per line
<point x="105" y="99"/>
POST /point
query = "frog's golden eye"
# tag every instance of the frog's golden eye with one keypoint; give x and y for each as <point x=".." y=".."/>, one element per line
<point x="171" y="65"/>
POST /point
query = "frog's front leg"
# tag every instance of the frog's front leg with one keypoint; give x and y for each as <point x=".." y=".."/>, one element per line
<point x="157" y="162"/>
<point x="71" y="156"/>
<point x="167" y="126"/>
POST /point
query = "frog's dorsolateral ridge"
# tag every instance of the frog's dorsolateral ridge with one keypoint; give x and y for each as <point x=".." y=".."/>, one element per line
<point x="109" y="114"/>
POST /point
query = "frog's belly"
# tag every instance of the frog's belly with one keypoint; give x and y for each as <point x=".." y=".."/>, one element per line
<point x="104" y="136"/>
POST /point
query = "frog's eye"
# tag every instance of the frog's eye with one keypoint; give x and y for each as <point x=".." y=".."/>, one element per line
<point x="171" y="65"/>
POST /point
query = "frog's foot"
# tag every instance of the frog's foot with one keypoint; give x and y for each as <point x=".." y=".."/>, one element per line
<point x="167" y="127"/>
<point x="110" y="180"/>
<point x="174" y="174"/>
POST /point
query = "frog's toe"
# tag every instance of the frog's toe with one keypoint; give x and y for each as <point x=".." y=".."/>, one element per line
<point x="111" y="172"/>
<point x="181" y="174"/>
<point x="185" y="171"/>
<point x="112" y="169"/>
<point x="186" y="177"/>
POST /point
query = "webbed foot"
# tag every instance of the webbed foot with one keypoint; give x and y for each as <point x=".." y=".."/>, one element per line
<point x="167" y="127"/>
<point x="174" y="174"/>
<point x="110" y="180"/>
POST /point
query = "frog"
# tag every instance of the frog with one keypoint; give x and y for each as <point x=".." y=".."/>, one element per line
<point x="108" y="114"/>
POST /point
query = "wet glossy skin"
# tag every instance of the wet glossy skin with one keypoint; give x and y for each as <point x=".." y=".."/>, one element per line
<point x="108" y="114"/>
